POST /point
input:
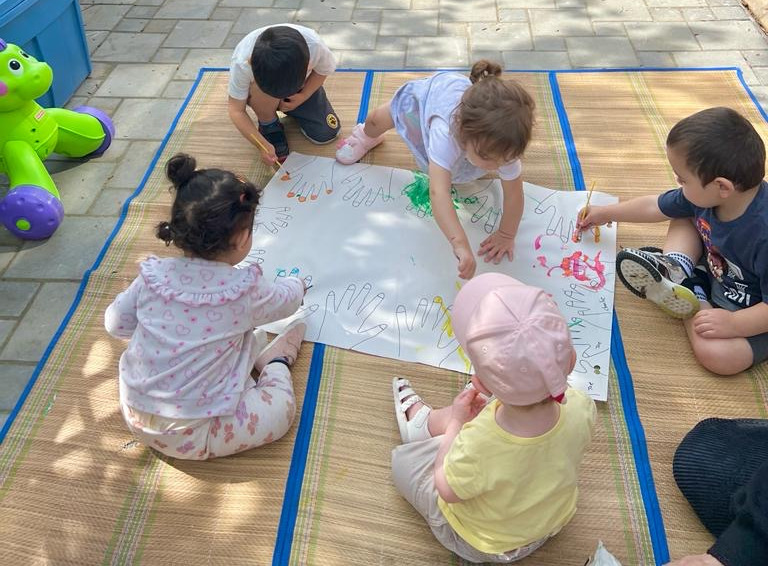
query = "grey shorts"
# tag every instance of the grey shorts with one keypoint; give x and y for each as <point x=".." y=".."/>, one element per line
<point x="759" y="343"/>
<point x="317" y="118"/>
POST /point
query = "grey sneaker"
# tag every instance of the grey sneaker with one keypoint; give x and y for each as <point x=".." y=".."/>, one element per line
<point x="651" y="275"/>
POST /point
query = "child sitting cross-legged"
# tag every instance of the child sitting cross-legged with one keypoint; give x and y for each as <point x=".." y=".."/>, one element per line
<point x="496" y="479"/>
<point x="719" y="217"/>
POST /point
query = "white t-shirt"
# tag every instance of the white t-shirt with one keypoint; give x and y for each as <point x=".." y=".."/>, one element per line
<point x="321" y="60"/>
<point x="445" y="151"/>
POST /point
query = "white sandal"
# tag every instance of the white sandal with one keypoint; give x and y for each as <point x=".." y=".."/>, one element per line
<point x="405" y="397"/>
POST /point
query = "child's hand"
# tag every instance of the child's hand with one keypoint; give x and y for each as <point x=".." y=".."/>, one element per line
<point x="591" y="216"/>
<point x="715" y="323"/>
<point x="467" y="263"/>
<point x="270" y="157"/>
<point x="496" y="246"/>
<point x="467" y="405"/>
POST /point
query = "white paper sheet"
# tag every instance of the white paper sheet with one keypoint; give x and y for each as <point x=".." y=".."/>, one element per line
<point x="384" y="277"/>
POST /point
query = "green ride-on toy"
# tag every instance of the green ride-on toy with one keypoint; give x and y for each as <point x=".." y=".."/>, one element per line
<point x="29" y="133"/>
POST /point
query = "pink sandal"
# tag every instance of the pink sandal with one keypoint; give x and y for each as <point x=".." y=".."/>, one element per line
<point x="352" y="149"/>
<point x="405" y="397"/>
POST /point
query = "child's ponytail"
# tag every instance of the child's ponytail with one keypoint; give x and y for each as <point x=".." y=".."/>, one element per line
<point x="484" y="69"/>
<point x="180" y="169"/>
<point x="210" y="206"/>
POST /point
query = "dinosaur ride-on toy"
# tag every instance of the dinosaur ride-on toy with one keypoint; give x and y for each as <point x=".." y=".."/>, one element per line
<point x="29" y="133"/>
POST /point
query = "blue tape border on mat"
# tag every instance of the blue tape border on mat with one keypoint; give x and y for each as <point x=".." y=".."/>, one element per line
<point x="295" y="481"/>
<point x="631" y="416"/>
<point x="97" y="262"/>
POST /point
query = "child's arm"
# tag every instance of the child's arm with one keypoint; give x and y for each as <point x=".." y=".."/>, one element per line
<point x="502" y="241"/>
<point x="640" y="209"/>
<point x="447" y="219"/>
<point x="278" y="300"/>
<point x="314" y="81"/>
<point x="244" y="124"/>
<point x="466" y="406"/>
<point x="120" y="317"/>
<point x="721" y="323"/>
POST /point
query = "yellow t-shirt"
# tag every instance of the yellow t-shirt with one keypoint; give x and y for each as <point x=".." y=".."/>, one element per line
<point x="516" y="490"/>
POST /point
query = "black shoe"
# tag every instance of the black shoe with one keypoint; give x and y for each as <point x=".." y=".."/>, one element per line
<point x="275" y="134"/>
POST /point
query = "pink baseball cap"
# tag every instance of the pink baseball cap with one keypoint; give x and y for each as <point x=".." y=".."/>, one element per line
<point x="516" y="338"/>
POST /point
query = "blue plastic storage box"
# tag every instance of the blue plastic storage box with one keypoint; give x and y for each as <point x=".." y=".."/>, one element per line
<point x="52" y="31"/>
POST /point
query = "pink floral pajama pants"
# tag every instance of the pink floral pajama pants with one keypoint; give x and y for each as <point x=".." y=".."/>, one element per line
<point x="264" y="414"/>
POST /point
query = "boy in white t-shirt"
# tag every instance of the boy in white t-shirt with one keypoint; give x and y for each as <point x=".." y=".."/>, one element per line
<point x="281" y="67"/>
<point x="496" y="480"/>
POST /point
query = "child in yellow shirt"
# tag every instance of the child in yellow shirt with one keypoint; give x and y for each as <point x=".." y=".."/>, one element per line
<point x="495" y="480"/>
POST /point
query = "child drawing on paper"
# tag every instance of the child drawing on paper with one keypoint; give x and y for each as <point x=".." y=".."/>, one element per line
<point x="185" y="379"/>
<point x="458" y="129"/>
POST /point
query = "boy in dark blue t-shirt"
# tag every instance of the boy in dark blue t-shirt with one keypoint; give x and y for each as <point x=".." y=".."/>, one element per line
<point x="719" y="215"/>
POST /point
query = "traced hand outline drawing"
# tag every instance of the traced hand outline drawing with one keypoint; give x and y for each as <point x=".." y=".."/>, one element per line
<point x="432" y="317"/>
<point x="359" y="192"/>
<point x="255" y="256"/>
<point x="271" y="218"/>
<point x="359" y="303"/>
<point x="485" y="213"/>
<point x="304" y="187"/>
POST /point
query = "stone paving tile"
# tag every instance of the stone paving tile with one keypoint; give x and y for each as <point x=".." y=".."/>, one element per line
<point x="170" y="55"/>
<point x="15" y="379"/>
<point x="572" y="22"/>
<point x="145" y="118"/>
<point x="6" y="329"/>
<point x="79" y="183"/>
<point x="254" y="18"/>
<point x="617" y="10"/>
<point x="15" y="296"/>
<point x="716" y="59"/>
<point x="548" y="43"/>
<point x="614" y="52"/>
<point x="131" y="24"/>
<point x="160" y="26"/>
<point x="432" y="52"/>
<point x="409" y="22"/>
<point x="609" y="28"/>
<point x="728" y="35"/>
<point x="132" y="167"/>
<point x="347" y="35"/>
<point x="662" y="36"/>
<point x="463" y="11"/>
<point x="128" y="47"/>
<point x="674" y="3"/>
<point x="385" y="5"/>
<point x="198" y="58"/>
<point x="534" y="60"/>
<point x="514" y="15"/>
<point x="500" y="37"/>
<point x="371" y="59"/>
<point x="731" y="13"/>
<point x="177" y="89"/>
<point x="67" y="254"/>
<point x="137" y="80"/>
<point x="34" y="332"/>
<point x="246" y="3"/>
<point x="228" y="14"/>
<point x="667" y="14"/>
<point x="186" y="9"/>
<point x="103" y="17"/>
<point x="6" y="255"/>
<point x="109" y="202"/>
<point x="95" y="39"/>
<point x="655" y="59"/>
<point x="367" y="15"/>
<point x="198" y="34"/>
<point x="324" y="11"/>
<point x="142" y="12"/>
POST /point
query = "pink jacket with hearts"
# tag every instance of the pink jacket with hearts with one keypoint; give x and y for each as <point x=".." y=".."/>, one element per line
<point x="190" y="324"/>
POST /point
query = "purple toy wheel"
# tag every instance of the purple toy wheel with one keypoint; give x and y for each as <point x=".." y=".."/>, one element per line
<point x="30" y="212"/>
<point x="106" y="124"/>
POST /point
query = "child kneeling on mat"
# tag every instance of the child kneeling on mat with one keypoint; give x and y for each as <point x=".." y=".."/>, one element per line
<point x="495" y="479"/>
<point x="185" y="379"/>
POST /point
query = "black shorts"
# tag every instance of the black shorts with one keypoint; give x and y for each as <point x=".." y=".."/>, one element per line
<point x="759" y="343"/>
<point x="317" y="119"/>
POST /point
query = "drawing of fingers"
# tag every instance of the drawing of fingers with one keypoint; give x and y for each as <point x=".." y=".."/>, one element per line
<point x="360" y="306"/>
<point x="255" y="256"/>
<point x="430" y="324"/>
<point x="271" y="219"/>
<point x="359" y="192"/>
<point x="484" y="213"/>
<point x="305" y="188"/>
<point x="293" y="272"/>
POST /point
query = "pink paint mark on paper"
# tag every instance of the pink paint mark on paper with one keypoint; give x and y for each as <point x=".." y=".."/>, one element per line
<point x="537" y="242"/>
<point x="578" y="266"/>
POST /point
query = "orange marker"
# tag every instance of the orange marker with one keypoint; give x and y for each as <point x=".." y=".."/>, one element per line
<point x="286" y="176"/>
